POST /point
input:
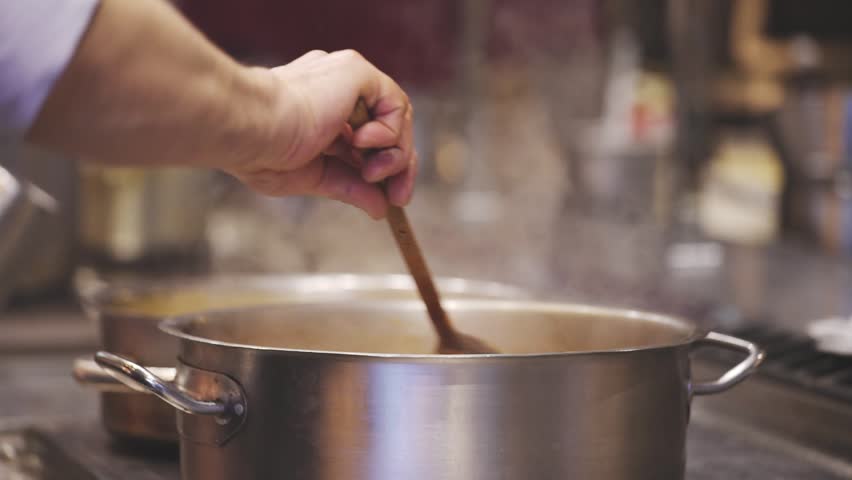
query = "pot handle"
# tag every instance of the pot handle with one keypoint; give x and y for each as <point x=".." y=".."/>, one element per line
<point x="88" y="373"/>
<point x="736" y="374"/>
<point x="139" y="378"/>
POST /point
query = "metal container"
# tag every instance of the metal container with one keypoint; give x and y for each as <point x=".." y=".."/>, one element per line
<point x="128" y="315"/>
<point x="133" y="215"/>
<point x="352" y="390"/>
<point x="51" y="253"/>
<point x="24" y="214"/>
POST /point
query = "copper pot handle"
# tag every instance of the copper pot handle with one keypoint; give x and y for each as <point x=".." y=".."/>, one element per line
<point x="736" y="374"/>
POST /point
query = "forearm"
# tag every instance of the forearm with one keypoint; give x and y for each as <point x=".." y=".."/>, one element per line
<point x="145" y="88"/>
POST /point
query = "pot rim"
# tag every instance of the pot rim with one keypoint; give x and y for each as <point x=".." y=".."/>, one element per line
<point x="175" y="326"/>
<point x="106" y="297"/>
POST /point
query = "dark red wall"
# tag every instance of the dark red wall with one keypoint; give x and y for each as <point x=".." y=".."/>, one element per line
<point x="413" y="40"/>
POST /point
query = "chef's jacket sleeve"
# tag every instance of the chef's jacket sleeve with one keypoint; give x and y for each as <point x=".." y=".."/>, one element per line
<point x="37" y="41"/>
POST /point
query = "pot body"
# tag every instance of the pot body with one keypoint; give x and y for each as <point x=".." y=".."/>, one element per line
<point x="128" y="316"/>
<point x="614" y="416"/>
<point x="50" y="250"/>
<point x="354" y="390"/>
<point x="25" y="215"/>
<point x="134" y="215"/>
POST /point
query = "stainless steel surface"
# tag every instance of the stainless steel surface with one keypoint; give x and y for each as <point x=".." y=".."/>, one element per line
<point x="24" y="210"/>
<point x="717" y="450"/>
<point x="38" y="395"/>
<point x="141" y="379"/>
<point x="87" y="372"/>
<point x="216" y="403"/>
<point x="128" y="314"/>
<point x="53" y="254"/>
<point x="736" y="374"/>
<point x="352" y="390"/>
<point x="131" y="215"/>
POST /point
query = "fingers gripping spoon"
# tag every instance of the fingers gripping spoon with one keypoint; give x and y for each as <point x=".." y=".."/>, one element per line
<point x="451" y="341"/>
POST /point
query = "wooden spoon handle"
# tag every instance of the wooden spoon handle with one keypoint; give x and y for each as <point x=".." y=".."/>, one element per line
<point x="407" y="244"/>
<point x="360" y="115"/>
<point x="413" y="256"/>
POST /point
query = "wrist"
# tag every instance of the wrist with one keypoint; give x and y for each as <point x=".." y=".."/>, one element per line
<point x="253" y="124"/>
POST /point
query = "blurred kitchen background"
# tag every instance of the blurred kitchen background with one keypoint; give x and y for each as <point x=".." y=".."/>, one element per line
<point x="685" y="156"/>
<point x="651" y="154"/>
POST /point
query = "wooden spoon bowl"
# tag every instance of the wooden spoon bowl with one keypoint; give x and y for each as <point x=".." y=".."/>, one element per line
<point x="451" y="341"/>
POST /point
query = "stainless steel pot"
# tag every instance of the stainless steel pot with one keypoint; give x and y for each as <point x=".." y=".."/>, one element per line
<point x="352" y="390"/>
<point x="128" y="315"/>
<point x="50" y="252"/>
<point x="25" y="211"/>
<point x="131" y="215"/>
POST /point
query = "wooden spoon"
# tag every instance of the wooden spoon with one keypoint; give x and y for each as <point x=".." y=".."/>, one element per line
<point x="451" y="341"/>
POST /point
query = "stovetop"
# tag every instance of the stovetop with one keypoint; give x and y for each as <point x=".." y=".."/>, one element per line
<point x="47" y="420"/>
<point x="799" y="394"/>
<point x="792" y="358"/>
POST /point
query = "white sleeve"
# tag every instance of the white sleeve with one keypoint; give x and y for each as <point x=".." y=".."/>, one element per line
<point x="37" y="40"/>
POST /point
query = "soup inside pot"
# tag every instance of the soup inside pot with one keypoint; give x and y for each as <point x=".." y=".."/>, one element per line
<point x="179" y="298"/>
<point x="404" y="328"/>
<point x="162" y="304"/>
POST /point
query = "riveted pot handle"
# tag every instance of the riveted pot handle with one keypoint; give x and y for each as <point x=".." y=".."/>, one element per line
<point x="88" y="373"/>
<point x="739" y="372"/>
<point x="140" y="378"/>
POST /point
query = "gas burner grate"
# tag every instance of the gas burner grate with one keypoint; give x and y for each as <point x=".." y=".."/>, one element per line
<point x="27" y="454"/>
<point x="792" y="358"/>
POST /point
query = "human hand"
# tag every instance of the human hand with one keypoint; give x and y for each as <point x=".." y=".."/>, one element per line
<point x="311" y="150"/>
